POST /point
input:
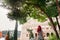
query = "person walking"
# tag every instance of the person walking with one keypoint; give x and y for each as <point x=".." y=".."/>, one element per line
<point x="40" y="33"/>
<point x="1" y="36"/>
<point x="31" y="35"/>
<point x="7" y="36"/>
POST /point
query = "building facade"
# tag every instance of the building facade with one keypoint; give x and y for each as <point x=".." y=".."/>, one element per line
<point x="33" y="24"/>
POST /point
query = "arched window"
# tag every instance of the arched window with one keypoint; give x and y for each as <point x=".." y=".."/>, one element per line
<point x="35" y="34"/>
<point x="47" y="34"/>
<point x="27" y="35"/>
<point x="52" y="34"/>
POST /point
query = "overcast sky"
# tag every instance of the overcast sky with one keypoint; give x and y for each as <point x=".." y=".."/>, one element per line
<point x="6" y="23"/>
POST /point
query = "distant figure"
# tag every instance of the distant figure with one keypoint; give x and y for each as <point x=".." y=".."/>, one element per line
<point x="1" y="37"/>
<point x="31" y="36"/>
<point x="40" y="35"/>
<point x="0" y="34"/>
<point x="7" y="36"/>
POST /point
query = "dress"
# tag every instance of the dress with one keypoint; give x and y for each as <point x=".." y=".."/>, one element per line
<point x="40" y="36"/>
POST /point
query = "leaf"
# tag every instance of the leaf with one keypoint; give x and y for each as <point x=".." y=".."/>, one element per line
<point x="52" y="11"/>
<point x="55" y="23"/>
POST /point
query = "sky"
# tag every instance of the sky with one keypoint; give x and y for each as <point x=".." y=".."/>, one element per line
<point x="5" y="22"/>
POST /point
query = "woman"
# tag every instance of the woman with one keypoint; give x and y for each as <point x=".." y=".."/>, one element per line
<point x="40" y="35"/>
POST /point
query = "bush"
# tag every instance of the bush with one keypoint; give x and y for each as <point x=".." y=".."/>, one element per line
<point x="52" y="37"/>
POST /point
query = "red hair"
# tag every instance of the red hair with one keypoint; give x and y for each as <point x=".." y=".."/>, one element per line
<point x="39" y="28"/>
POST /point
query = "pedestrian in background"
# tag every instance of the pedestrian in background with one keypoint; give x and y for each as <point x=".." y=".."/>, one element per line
<point x="40" y="33"/>
<point x="7" y="36"/>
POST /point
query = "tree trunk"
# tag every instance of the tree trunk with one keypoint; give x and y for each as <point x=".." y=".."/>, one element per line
<point x="50" y="19"/>
<point x="15" y="31"/>
<point x="54" y="27"/>
<point x="58" y="7"/>
<point x="58" y="23"/>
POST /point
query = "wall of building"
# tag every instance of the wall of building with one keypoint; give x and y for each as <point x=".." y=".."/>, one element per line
<point x="33" y="24"/>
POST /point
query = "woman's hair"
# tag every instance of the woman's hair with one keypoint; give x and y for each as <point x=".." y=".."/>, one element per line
<point x="39" y="28"/>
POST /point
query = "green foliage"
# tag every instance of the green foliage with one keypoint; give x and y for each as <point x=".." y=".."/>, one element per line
<point x="39" y="2"/>
<point x="55" y="23"/>
<point x="29" y="9"/>
<point x="12" y="38"/>
<point x="52" y="37"/>
<point x="52" y="11"/>
<point x="17" y="15"/>
<point x="17" y="12"/>
<point x="31" y="33"/>
<point x="34" y="13"/>
<point x="12" y="2"/>
<point x="22" y="20"/>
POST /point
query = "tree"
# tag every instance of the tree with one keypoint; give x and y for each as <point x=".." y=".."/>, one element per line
<point x="58" y="6"/>
<point x="54" y="11"/>
<point x="42" y="5"/>
<point x="15" y="13"/>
